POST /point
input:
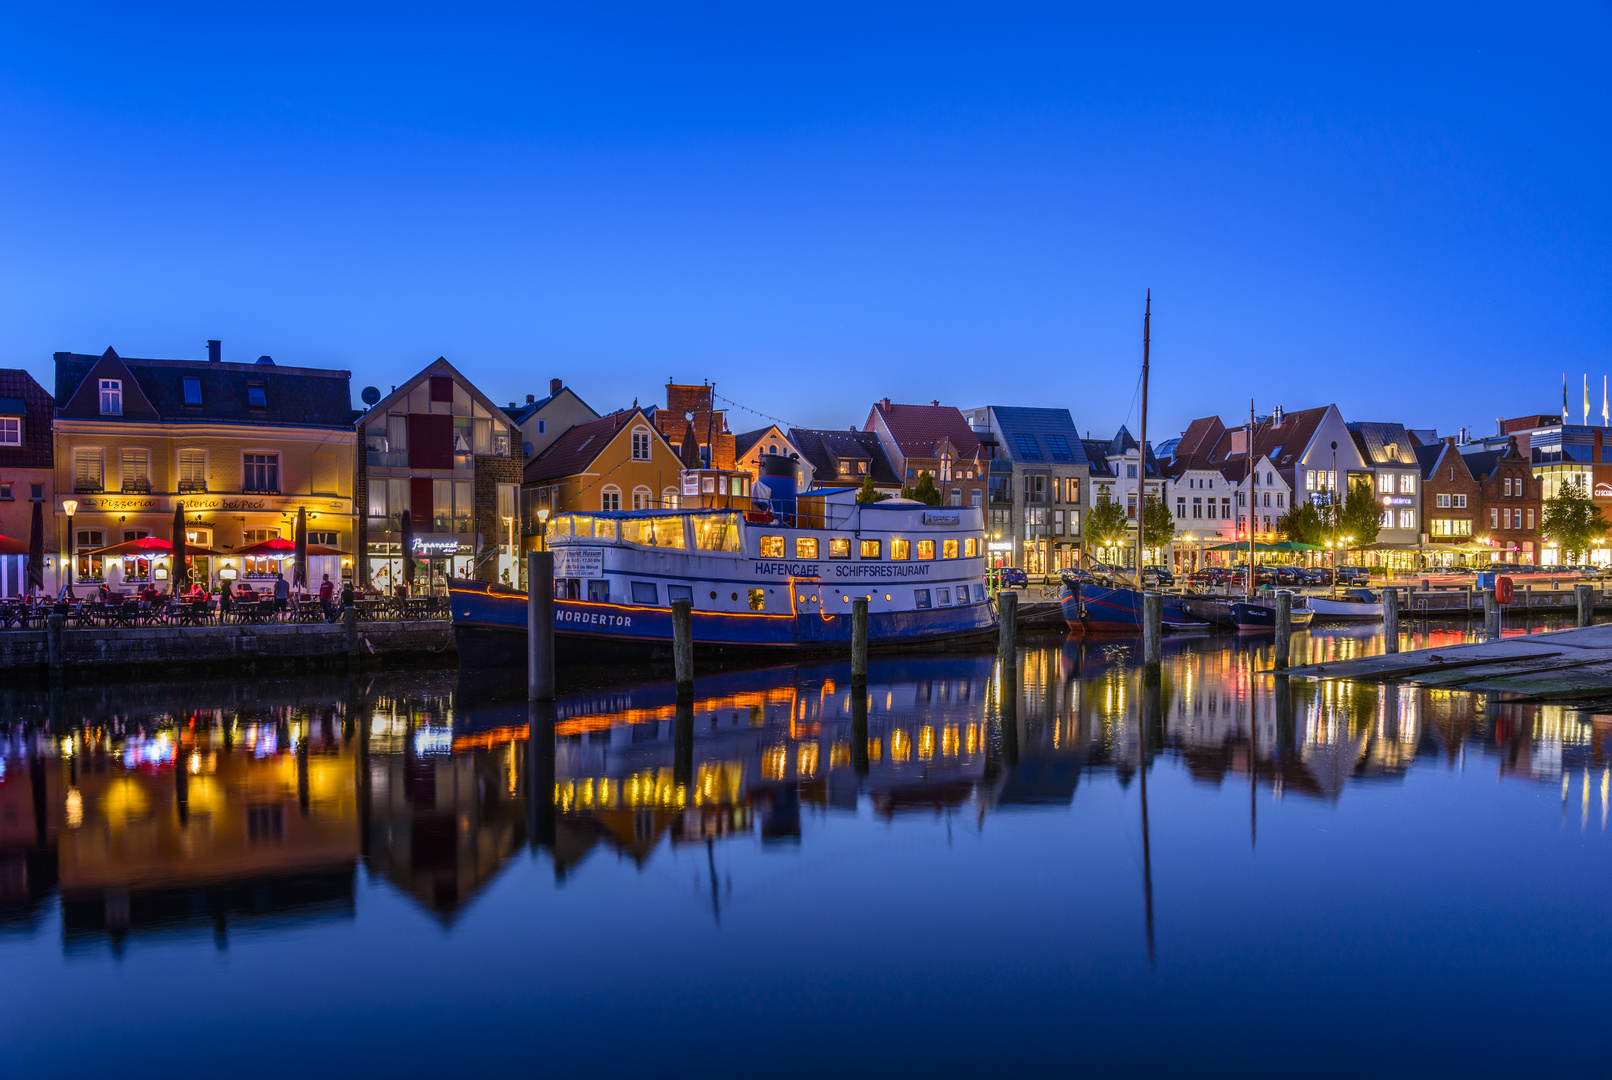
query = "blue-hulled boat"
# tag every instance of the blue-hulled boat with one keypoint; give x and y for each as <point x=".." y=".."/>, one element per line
<point x="776" y="578"/>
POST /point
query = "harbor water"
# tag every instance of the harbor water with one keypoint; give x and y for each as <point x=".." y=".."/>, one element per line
<point x="1048" y="868"/>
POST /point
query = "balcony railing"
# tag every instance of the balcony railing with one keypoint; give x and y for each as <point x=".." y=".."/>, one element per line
<point x="88" y="487"/>
<point x="192" y="487"/>
<point x="137" y="487"/>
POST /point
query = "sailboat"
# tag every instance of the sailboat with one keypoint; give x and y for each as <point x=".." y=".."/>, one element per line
<point x="1116" y="607"/>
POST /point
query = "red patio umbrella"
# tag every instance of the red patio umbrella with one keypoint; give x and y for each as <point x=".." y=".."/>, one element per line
<point x="10" y="545"/>
<point x="147" y="546"/>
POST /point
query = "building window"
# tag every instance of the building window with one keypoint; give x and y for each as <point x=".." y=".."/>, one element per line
<point x="1130" y="472"/>
<point x="957" y="496"/>
<point x="926" y="549"/>
<point x="111" y="397"/>
<point x="1197" y="508"/>
<point x="1441" y="501"/>
<point x="192" y="391"/>
<point x="5" y="490"/>
<point x="610" y="499"/>
<point x="136" y="472"/>
<point x="839" y="547"/>
<point x="641" y="498"/>
<point x="870" y="549"/>
<point x="255" y="397"/>
<point x="1385" y="483"/>
<point x="668" y="498"/>
<point x="542" y="427"/>
<point x="1494" y="518"/>
<point x="260" y="472"/>
<point x="976" y="497"/>
<point x="640" y="445"/>
<point x="192" y="471"/>
<point x="10" y="431"/>
<point x="1460" y="502"/>
<point x="321" y="539"/>
<point x="1407" y="484"/>
<point x="1386" y="519"/>
<point x="1407" y="519"/>
<point x="257" y="536"/>
<point x="899" y="549"/>
<point x="772" y="547"/>
<point x="1530" y="519"/>
<point x="87" y="471"/>
<point x="1508" y="487"/>
<point x="1280" y="499"/>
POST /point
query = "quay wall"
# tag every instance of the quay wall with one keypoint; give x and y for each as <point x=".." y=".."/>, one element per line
<point x="169" y="651"/>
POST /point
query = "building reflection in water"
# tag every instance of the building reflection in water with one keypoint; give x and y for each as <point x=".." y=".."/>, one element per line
<point x="218" y="808"/>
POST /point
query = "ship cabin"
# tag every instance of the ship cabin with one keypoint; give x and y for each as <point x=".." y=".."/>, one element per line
<point x="786" y="554"/>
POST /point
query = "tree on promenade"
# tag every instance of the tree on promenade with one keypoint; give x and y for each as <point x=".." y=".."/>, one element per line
<point x="1359" y="518"/>
<point x="1573" y="520"/>
<point x="1158" y="524"/>
<point x="1105" y="525"/>
<point x="1302" y="524"/>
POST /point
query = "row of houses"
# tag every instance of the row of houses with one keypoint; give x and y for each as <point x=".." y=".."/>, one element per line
<point x="240" y="449"/>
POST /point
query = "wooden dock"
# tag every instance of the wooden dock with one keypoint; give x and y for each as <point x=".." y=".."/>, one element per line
<point x="1560" y="664"/>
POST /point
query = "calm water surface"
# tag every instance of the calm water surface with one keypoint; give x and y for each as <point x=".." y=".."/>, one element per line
<point x="406" y="875"/>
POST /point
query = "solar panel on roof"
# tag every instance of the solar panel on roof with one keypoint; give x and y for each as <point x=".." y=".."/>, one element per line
<point x="1027" y="447"/>
<point x="1060" y="448"/>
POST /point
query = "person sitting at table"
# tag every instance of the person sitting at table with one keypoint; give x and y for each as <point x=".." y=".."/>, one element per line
<point x="105" y="593"/>
<point x="347" y="596"/>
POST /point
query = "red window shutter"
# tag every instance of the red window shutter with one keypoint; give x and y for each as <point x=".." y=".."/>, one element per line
<point x="442" y="388"/>
<point x="420" y="509"/>
<point x="430" y="441"/>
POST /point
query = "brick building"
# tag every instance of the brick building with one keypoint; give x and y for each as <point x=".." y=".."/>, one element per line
<point x="1452" y="497"/>
<point x="26" y="463"/>
<point x="1513" y="504"/>
<point x="936" y="439"/>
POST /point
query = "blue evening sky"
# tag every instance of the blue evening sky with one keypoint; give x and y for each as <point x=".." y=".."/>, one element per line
<point x="1404" y="209"/>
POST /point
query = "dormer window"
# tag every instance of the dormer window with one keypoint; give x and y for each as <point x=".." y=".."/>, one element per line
<point x="255" y="397"/>
<point x="193" y="392"/>
<point x="10" y="431"/>
<point x="111" y="397"/>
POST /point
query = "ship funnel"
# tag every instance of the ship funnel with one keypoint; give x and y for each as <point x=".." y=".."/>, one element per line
<point x="775" y="489"/>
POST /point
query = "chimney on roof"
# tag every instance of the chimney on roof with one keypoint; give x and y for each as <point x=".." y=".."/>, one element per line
<point x="512" y="405"/>
<point x="215" y="349"/>
<point x="530" y="398"/>
<point x="1276" y="416"/>
<point x="936" y="403"/>
<point x="1500" y="425"/>
<point x="555" y="386"/>
<point x="884" y="403"/>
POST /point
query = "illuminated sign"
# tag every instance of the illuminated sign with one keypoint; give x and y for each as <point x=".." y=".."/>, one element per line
<point x="578" y="562"/>
<point x="436" y="547"/>
<point x="998" y="545"/>
<point x="942" y="519"/>
<point x="1398" y="500"/>
<point x="1603" y="491"/>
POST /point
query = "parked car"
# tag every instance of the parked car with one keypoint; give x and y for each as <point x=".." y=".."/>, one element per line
<point x="1073" y="575"/>
<point x="1353" y="575"/>
<point x="1315" y="575"/>
<point x="1009" y="577"/>
<point x="1157" y="575"/>
<point x="1454" y="571"/>
<point x="1285" y="575"/>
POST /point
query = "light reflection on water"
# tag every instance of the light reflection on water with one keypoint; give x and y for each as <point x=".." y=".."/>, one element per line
<point x="303" y="830"/>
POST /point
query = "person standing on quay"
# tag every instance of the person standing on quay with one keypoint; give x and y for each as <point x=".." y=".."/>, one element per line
<point x="282" y="593"/>
<point x="327" y="593"/>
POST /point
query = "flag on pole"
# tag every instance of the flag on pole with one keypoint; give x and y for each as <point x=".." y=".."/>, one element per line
<point x="1605" y="417"/>
<point x="1586" y="400"/>
<point x="1564" y="397"/>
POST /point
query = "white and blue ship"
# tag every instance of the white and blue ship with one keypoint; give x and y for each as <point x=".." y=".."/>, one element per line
<point x="778" y="576"/>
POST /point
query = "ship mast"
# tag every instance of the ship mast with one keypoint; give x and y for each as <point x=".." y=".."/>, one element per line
<point x="1253" y="482"/>
<point x="1141" y="451"/>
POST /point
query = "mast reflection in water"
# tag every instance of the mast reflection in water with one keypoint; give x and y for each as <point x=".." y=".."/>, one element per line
<point x="926" y="840"/>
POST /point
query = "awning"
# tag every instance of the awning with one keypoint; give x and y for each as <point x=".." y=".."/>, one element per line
<point x="279" y="547"/>
<point x="10" y="545"/>
<point x="148" y="546"/>
<point x="1243" y="546"/>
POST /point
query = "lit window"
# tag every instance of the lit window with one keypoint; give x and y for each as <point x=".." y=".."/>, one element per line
<point x="758" y="600"/>
<point x="772" y="547"/>
<point x="899" y="549"/>
<point x="948" y="549"/>
<point x="111" y="397"/>
<point x="1407" y="519"/>
<point x="1385" y="483"/>
<point x="87" y="472"/>
<point x="926" y="549"/>
<point x="971" y="548"/>
<point x="1407" y="484"/>
<point x="870" y="549"/>
<point x="806" y="547"/>
<point x="839" y="548"/>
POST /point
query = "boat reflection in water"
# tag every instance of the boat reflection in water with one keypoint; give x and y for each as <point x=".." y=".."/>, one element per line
<point x="219" y="808"/>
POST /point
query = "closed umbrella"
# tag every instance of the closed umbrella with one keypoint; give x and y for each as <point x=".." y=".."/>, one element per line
<point x="181" y="571"/>
<point x="36" y="548"/>
<point x="408" y="549"/>
<point x="299" y="570"/>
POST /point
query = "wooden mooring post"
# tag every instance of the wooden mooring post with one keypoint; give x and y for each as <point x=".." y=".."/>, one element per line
<point x="1585" y="595"/>
<point x="1391" y="620"/>
<point x="1152" y="629"/>
<point x="1284" y="627"/>
<point x="1491" y="615"/>
<point x="683" y="645"/>
<point x="1008" y="628"/>
<point x="540" y="626"/>
<point x="859" y="641"/>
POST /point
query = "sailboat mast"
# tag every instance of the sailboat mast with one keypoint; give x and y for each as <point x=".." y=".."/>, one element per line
<point x="1253" y="481"/>
<point x="1141" y="452"/>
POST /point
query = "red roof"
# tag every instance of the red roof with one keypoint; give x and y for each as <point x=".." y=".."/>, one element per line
<point x="574" y="451"/>
<point x="917" y="429"/>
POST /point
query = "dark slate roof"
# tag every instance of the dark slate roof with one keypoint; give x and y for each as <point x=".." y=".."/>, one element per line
<point x="293" y="396"/>
<point x="823" y="447"/>
<point x="1383" y="444"/>
<point x="1097" y="455"/>
<point x="1282" y="444"/>
<point x="1428" y="458"/>
<point x="23" y="395"/>
<point x="745" y="440"/>
<point x="1481" y="465"/>
<point x="1040" y="435"/>
<point x="575" y="450"/>
<point x="518" y="414"/>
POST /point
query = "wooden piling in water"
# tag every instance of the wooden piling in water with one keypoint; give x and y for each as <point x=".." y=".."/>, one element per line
<point x="1584" y="594"/>
<point x="1284" y="627"/>
<point x="1152" y="628"/>
<point x="1491" y="615"/>
<point x="859" y="641"/>
<point x="683" y="645"/>
<point x="1391" y="620"/>
<point x="1008" y="628"/>
<point x="540" y="626"/>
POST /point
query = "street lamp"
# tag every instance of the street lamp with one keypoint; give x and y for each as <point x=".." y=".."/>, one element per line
<point x="542" y="528"/>
<point x="71" y="506"/>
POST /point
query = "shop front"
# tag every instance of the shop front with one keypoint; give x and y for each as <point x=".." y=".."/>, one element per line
<point x="437" y="556"/>
<point x="998" y="553"/>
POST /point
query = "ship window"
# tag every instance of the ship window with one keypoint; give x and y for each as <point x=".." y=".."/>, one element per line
<point x="920" y="598"/>
<point x="962" y="594"/>
<point x="604" y="528"/>
<point x="839" y="547"/>
<point x="599" y="591"/>
<point x="926" y="549"/>
<point x="899" y="549"/>
<point x="666" y="532"/>
<point x="971" y="548"/>
<point x="979" y="594"/>
<point x="870" y="549"/>
<point x="948" y="549"/>
<point x="674" y="593"/>
<point x="772" y="547"/>
<point x="644" y="592"/>
<point x="805" y="547"/>
<point x="758" y="600"/>
<point x="717" y="532"/>
<point x="943" y="597"/>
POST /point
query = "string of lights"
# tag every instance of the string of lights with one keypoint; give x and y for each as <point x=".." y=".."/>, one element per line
<point x="753" y="412"/>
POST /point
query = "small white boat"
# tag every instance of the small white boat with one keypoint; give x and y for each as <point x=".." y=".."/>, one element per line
<point x="1356" y="605"/>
